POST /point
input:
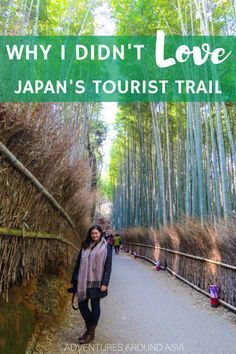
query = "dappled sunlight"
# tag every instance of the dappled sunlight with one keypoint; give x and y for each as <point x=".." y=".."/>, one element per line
<point x="214" y="252"/>
<point x="175" y="246"/>
<point x="195" y="240"/>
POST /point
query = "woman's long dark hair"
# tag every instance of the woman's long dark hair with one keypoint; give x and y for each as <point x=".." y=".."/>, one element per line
<point x="86" y="243"/>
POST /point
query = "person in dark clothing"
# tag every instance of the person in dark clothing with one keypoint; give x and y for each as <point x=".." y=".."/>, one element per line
<point x="110" y="241"/>
<point x="90" y="278"/>
<point x="106" y="236"/>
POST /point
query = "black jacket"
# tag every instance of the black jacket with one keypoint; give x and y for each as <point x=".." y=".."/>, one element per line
<point x="105" y="278"/>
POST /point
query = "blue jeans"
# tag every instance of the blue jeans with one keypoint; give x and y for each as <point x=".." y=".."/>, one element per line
<point x="90" y="316"/>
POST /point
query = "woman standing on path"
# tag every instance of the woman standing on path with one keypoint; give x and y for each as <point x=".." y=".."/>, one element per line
<point x="91" y="277"/>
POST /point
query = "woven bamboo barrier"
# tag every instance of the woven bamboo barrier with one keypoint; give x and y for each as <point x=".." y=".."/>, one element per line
<point x="206" y="264"/>
<point x="44" y="193"/>
<point x="27" y="174"/>
<point x="23" y="206"/>
<point x="36" y="235"/>
<point x="186" y="255"/>
<point x="225" y="304"/>
<point x="181" y="268"/>
<point x="26" y="255"/>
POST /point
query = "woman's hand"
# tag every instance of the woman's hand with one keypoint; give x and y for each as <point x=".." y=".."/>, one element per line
<point x="103" y="288"/>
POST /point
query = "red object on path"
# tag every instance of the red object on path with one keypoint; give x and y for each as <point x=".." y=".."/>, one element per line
<point x="158" y="265"/>
<point x="214" y="296"/>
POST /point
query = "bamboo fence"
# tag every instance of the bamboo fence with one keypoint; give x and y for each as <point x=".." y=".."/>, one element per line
<point x="26" y="254"/>
<point x="198" y="272"/>
<point x="46" y="194"/>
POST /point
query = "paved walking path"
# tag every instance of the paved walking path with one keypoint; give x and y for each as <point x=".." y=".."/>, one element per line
<point x="147" y="312"/>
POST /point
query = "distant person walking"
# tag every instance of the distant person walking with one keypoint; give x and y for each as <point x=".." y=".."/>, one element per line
<point x="91" y="277"/>
<point x="117" y="243"/>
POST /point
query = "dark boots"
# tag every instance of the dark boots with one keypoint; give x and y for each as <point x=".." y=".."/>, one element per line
<point x="86" y="332"/>
<point x="89" y="336"/>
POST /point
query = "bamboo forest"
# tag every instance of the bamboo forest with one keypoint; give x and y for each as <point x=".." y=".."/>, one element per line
<point x="158" y="176"/>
